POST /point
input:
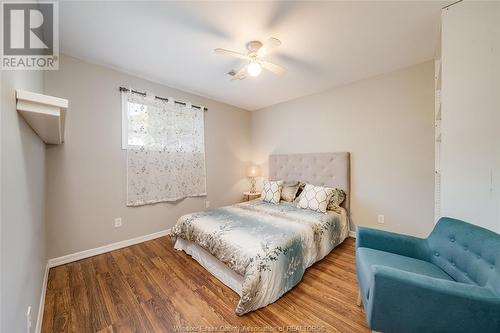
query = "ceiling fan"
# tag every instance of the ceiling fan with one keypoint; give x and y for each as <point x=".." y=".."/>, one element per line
<point x="255" y="53"/>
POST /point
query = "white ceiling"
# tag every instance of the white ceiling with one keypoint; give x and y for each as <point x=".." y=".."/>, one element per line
<point x="325" y="44"/>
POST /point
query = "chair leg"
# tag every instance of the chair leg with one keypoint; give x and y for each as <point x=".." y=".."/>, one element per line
<point x="358" y="301"/>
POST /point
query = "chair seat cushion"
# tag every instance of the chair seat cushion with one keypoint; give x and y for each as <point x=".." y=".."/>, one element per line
<point x="367" y="258"/>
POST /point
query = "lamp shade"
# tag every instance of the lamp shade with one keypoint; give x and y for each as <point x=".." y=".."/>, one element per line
<point x="253" y="171"/>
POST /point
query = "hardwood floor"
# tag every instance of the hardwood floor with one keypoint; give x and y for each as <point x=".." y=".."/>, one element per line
<point x="150" y="287"/>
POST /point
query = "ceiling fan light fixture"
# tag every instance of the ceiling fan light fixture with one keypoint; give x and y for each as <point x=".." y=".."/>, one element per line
<point x="254" y="68"/>
<point x="254" y="59"/>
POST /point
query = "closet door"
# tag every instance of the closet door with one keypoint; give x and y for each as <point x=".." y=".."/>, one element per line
<point x="470" y="112"/>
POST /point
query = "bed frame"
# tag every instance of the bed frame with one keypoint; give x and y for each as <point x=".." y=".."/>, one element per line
<point x="328" y="169"/>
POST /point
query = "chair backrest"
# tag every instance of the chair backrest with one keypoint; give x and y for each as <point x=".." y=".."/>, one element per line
<point x="466" y="252"/>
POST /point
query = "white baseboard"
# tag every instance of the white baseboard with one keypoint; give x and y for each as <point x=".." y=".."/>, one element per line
<point x="103" y="249"/>
<point x="41" y="306"/>
<point x="352" y="234"/>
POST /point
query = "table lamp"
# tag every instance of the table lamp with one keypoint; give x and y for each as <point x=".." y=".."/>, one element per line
<point x="252" y="172"/>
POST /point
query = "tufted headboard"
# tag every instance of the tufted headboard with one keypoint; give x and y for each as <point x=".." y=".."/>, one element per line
<point x="328" y="169"/>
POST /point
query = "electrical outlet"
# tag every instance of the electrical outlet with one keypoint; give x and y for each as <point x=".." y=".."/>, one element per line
<point x="118" y="222"/>
<point x="207" y="204"/>
<point x="381" y="219"/>
<point x="28" y="319"/>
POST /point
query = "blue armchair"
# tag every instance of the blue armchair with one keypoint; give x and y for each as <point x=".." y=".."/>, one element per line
<point x="448" y="282"/>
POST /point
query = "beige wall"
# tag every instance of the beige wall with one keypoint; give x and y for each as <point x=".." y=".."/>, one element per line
<point x="23" y="258"/>
<point x="86" y="176"/>
<point x="386" y="122"/>
<point x="470" y="149"/>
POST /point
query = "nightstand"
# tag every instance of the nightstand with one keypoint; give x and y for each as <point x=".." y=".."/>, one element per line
<point x="247" y="196"/>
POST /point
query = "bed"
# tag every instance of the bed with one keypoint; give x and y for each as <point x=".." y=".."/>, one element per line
<point x="261" y="250"/>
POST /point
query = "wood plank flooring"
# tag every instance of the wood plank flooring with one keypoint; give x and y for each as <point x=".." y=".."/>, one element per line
<point x="151" y="287"/>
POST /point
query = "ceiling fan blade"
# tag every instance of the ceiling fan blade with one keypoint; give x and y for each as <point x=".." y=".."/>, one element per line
<point x="231" y="53"/>
<point x="268" y="46"/>
<point x="241" y="74"/>
<point x="276" y="69"/>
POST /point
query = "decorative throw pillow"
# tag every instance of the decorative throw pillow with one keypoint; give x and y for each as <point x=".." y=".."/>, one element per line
<point x="337" y="199"/>
<point x="271" y="191"/>
<point x="315" y="198"/>
<point x="299" y="191"/>
<point x="289" y="191"/>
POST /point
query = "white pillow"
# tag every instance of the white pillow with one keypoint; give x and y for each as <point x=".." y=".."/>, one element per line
<point x="315" y="198"/>
<point x="271" y="191"/>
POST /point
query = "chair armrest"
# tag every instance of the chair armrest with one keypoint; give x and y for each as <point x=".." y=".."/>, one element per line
<point x="408" y="246"/>
<point x="401" y="301"/>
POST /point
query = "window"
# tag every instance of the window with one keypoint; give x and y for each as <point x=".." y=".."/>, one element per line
<point x="165" y="149"/>
<point x="160" y="125"/>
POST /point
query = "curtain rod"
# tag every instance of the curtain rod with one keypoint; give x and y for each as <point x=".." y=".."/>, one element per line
<point x="451" y="4"/>
<point x="162" y="98"/>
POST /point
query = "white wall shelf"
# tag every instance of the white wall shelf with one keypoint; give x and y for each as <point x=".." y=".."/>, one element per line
<point x="437" y="104"/>
<point x="437" y="74"/>
<point x="45" y="114"/>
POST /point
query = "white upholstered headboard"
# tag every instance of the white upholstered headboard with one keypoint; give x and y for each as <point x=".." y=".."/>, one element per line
<point x="324" y="169"/>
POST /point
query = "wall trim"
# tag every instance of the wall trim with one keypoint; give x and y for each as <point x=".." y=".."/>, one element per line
<point x="41" y="305"/>
<point x="352" y="234"/>
<point x="103" y="249"/>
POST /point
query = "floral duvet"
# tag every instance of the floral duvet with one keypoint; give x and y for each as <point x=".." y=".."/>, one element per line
<point x="269" y="245"/>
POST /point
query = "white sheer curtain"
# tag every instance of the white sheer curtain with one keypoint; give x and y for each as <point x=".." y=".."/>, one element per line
<point x="165" y="150"/>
